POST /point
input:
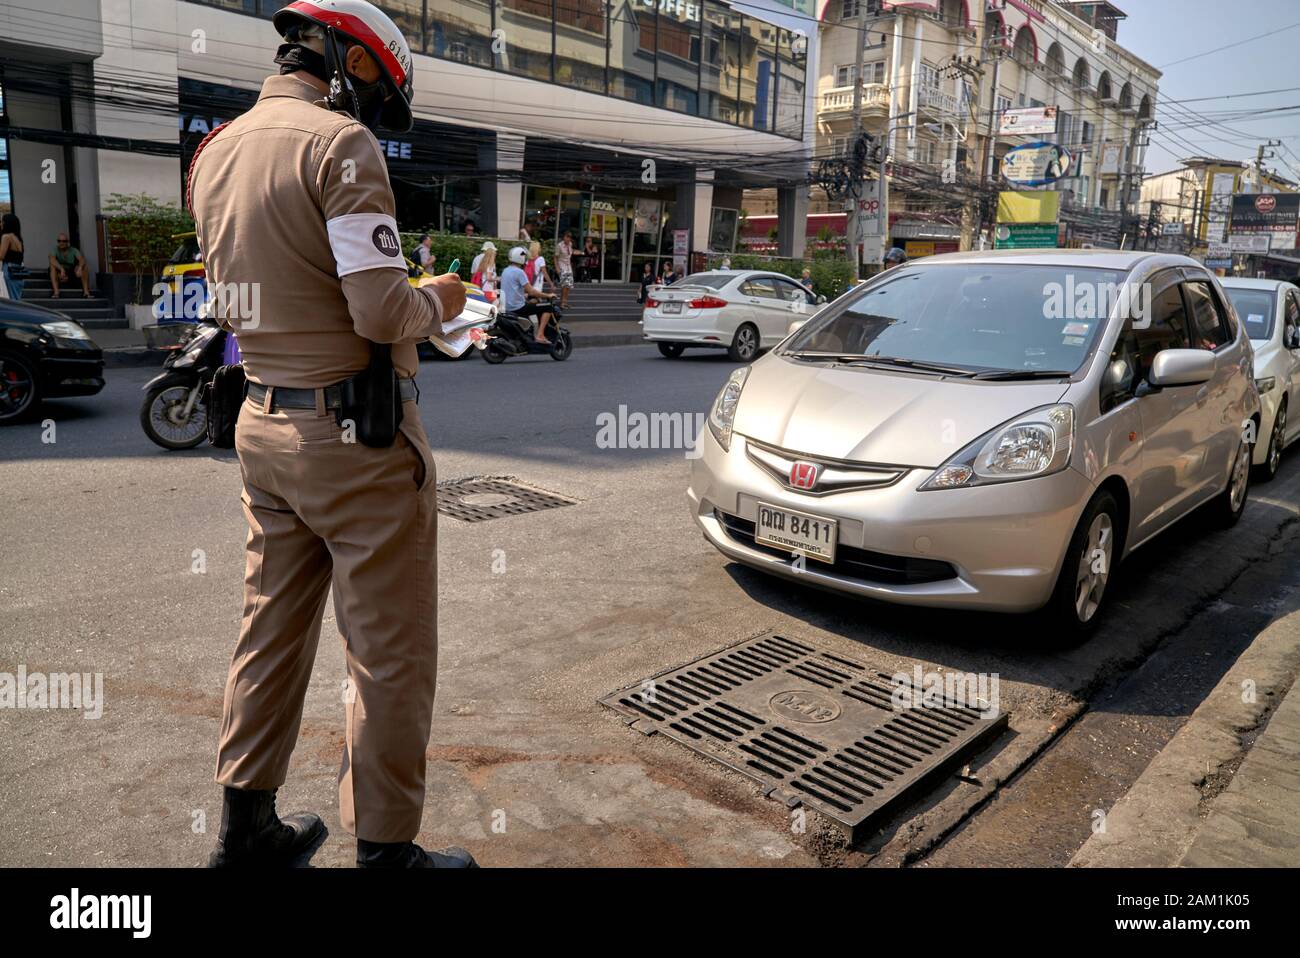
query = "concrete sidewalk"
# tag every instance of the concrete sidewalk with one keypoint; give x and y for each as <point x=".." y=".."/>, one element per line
<point x="1225" y="791"/>
<point x="125" y="347"/>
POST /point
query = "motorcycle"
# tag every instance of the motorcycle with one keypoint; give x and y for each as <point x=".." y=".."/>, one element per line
<point x="512" y="335"/>
<point x="173" y="414"/>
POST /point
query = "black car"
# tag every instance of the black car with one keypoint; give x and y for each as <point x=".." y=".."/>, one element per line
<point x="43" y="355"/>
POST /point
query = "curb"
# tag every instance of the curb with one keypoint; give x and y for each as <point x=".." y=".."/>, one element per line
<point x="1156" y="821"/>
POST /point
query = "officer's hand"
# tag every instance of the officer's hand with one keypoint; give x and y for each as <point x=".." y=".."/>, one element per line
<point x="450" y="291"/>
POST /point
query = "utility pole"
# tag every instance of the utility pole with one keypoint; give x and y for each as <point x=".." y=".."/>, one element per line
<point x="994" y="50"/>
<point x="1259" y="161"/>
<point x="855" y="191"/>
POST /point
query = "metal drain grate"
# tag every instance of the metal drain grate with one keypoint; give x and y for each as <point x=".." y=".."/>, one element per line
<point x="812" y="727"/>
<point x="475" y="500"/>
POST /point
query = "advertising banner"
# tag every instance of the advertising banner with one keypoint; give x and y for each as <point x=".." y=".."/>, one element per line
<point x="1035" y="121"/>
<point x="1036" y="164"/>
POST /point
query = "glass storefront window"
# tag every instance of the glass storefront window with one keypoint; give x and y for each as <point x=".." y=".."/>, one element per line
<point x="699" y="57"/>
<point x="791" y="83"/>
<point x="722" y="230"/>
<point x="633" y="41"/>
<point x="757" y="73"/>
<point x="409" y="17"/>
<point x="580" y="31"/>
<point x="526" y="26"/>
<point x="679" y="58"/>
<point x="461" y="30"/>
<point x="720" y="71"/>
<point x="541" y="212"/>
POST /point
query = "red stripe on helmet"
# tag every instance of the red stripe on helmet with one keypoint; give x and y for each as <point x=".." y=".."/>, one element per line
<point x="360" y="30"/>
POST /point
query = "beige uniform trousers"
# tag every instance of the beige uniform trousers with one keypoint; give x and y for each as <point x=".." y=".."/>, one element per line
<point x="322" y="511"/>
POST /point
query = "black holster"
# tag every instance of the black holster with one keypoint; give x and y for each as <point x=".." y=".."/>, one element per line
<point x="222" y="402"/>
<point x="371" y="399"/>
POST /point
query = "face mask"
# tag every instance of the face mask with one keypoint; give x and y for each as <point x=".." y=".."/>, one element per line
<point x="370" y="102"/>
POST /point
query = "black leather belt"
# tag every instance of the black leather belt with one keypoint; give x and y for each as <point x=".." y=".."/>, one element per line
<point x="285" y="398"/>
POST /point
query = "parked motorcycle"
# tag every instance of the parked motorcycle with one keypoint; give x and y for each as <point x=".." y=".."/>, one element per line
<point x="173" y="414"/>
<point x="513" y="335"/>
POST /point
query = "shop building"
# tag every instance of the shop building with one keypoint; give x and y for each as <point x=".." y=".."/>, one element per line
<point x="623" y="120"/>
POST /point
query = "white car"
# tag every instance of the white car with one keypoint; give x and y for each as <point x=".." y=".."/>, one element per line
<point x="1269" y="309"/>
<point x="743" y="311"/>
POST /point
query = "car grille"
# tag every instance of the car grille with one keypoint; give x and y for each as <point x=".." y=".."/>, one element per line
<point x="852" y="563"/>
<point x="834" y="475"/>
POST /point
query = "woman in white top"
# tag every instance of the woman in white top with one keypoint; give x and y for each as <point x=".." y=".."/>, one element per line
<point x="537" y="266"/>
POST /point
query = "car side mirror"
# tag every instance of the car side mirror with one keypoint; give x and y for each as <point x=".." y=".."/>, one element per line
<point x="820" y="301"/>
<point x="1292" y="338"/>
<point x="1181" y="367"/>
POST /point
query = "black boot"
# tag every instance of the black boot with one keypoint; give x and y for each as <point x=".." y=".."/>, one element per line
<point x="410" y="855"/>
<point x="252" y="835"/>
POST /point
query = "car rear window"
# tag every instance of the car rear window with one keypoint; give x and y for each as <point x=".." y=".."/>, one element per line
<point x="1256" y="309"/>
<point x="711" y="280"/>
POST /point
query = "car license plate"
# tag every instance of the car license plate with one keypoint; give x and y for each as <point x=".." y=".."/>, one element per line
<point x="799" y="532"/>
<point x="670" y="307"/>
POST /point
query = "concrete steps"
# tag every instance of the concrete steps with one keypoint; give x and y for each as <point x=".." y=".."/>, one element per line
<point x="603" y="302"/>
<point x="94" y="312"/>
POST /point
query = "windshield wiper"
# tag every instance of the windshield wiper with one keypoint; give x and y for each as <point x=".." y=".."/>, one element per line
<point x="918" y="364"/>
<point x="1008" y="374"/>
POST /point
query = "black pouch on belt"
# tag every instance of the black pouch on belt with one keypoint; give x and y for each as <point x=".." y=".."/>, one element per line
<point x="371" y="399"/>
<point x="223" y="400"/>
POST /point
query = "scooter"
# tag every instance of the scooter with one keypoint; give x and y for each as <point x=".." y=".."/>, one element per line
<point x="173" y="414"/>
<point x="513" y="335"/>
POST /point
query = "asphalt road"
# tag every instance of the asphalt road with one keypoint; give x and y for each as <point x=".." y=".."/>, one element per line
<point x="99" y="534"/>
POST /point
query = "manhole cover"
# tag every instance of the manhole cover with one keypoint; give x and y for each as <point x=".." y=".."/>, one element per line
<point x="813" y="727"/>
<point x="475" y="500"/>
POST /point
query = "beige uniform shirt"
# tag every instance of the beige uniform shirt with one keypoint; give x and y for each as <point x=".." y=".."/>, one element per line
<point x="295" y="217"/>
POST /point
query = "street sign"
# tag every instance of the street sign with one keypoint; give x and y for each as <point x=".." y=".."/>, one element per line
<point x="1030" y="121"/>
<point x="1025" y="236"/>
<point x="1036" y="164"/>
<point x="1249" y="242"/>
<point x="1271" y="216"/>
<point x="1172" y="229"/>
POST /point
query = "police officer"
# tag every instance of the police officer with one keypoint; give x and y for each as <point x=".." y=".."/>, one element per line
<point x="292" y="200"/>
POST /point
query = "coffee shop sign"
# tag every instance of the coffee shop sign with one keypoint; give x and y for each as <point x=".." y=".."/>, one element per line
<point x="681" y="9"/>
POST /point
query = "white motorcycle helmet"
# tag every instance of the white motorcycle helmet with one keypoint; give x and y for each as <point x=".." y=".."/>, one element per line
<point x="361" y="22"/>
<point x="519" y="256"/>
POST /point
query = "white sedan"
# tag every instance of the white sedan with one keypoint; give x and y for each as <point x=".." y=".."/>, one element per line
<point x="743" y="311"/>
<point x="1270" y="311"/>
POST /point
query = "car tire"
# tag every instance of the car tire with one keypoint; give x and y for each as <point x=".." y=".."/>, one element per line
<point x="19" y="388"/>
<point x="1276" y="439"/>
<point x="744" y="345"/>
<point x="1228" y="505"/>
<point x="1086" y="578"/>
<point x="671" y="350"/>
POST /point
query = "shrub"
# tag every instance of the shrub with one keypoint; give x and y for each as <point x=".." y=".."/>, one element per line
<point x="449" y="246"/>
<point x="141" y="228"/>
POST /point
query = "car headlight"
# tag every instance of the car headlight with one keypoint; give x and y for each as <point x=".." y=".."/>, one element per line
<point x="1036" y="444"/>
<point x="1266" y="384"/>
<point x="723" y="413"/>
<point x="65" y="329"/>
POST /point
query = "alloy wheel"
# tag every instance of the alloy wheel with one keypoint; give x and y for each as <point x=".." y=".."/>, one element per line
<point x="1276" y="441"/>
<point x="1240" y="477"/>
<point x="1094" y="567"/>
<point x="16" y="388"/>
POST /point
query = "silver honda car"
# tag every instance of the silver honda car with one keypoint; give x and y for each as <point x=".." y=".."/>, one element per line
<point x="985" y="430"/>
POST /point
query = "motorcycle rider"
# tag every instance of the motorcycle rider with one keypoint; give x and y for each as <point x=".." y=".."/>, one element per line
<point x="293" y="198"/>
<point x="515" y="290"/>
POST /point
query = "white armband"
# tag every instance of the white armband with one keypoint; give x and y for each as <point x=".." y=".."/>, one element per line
<point x="364" y="241"/>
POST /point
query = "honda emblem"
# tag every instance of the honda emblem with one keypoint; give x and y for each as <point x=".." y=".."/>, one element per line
<point x="803" y="475"/>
